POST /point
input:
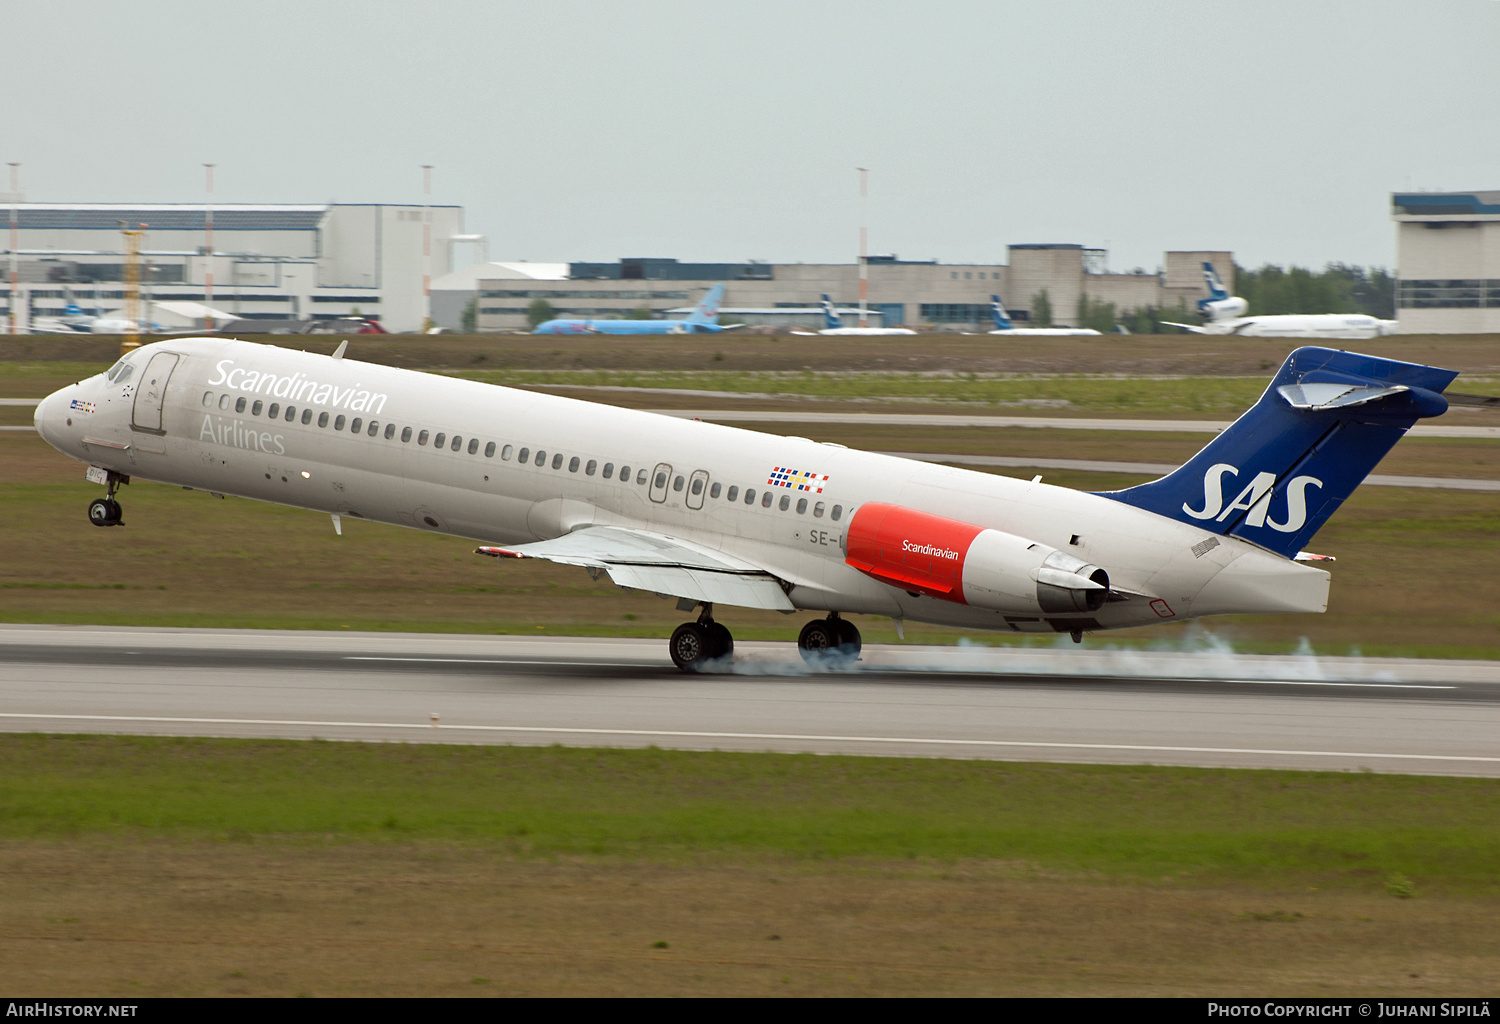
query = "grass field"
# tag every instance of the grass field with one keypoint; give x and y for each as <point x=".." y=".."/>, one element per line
<point x="167" y="866"/>
<point x="188" y="559"/>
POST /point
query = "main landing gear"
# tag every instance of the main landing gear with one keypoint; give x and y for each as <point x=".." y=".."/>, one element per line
<point x="694" y="644"/>
<point x="829" y="643"/>
<point x="106" y="511"/>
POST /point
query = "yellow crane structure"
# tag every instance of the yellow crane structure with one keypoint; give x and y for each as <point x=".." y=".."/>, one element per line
<point x="132" y="276"/>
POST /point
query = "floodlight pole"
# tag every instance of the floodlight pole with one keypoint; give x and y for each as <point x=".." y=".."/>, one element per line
<point x="864" y="243"/>
<point x="208" y="268"/>
<point x="426" y="244"/>
<point x="15" y="198"/>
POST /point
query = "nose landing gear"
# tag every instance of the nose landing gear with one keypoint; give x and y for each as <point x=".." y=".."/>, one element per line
<point x="106" y="511"/>
<point x="833" y="642"/>
<point x="694" y="644"/>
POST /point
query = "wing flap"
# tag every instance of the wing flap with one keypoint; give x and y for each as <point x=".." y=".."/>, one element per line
<point x="661" y="564"/>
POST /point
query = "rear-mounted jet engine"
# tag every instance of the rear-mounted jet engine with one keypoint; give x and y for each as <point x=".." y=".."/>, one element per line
<point x="968" y="564"/>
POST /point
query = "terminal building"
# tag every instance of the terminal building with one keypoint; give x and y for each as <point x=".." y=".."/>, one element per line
<point x="1447" y="262"/>
<point x="923" y="294"/>
<point x="301" y="262"/>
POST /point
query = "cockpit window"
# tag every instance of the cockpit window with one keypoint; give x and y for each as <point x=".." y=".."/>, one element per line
<point x="120" y="372"/>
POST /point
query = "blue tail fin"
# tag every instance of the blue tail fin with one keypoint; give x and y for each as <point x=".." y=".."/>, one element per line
<point x="1002" y="319"/>
<point x="1280" y="470"/>
<point x="1216" y="290"/>
<point x="707" y="310"/>
<point x="830" y="315"/>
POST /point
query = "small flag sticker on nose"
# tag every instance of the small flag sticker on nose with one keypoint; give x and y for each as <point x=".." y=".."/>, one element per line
<point x="797" y="479"/>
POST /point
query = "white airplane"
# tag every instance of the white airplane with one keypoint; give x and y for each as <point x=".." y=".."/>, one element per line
<point x="833" y="324"/>
<point x="716" y="516"/>
<point x="75" y="319"/>
<point x="1003" y="325"/>
<point x="1226" y="315"/>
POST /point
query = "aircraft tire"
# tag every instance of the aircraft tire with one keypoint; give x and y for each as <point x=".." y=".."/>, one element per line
<point x="720" y="640"/>
<point x="690" y="646"/>
<point x="850" y="642"/>
<point x="104" y="512"/>
<point x="817" y="641"/>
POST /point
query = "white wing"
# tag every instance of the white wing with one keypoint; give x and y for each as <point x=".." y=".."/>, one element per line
<point x="663" y="565"/>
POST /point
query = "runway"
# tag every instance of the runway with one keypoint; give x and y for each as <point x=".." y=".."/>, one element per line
<point x="1208" y="708"/>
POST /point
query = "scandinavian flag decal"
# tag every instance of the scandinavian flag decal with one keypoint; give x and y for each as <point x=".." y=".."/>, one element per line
<point x="797" y="479"/>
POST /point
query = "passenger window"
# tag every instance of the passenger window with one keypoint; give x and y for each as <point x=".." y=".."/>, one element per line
<point x="390" y="431"/>
<point x="557" y="461"/>
<point x="818" y="510"/>
<point x="256" y="408"/>
<point x="589" y="469"/>
<point x="749" y="495"/>
<point x="422" y="437"/>
<point x="338" y="422"/>
<point x="274" y="411"/>
<point x="405" y="435"/>
<point x="474" y="445"/>
<point x="506" y="452"/>
<point x="713" y="492"/>
<point x="609" y="470"/>
<point x="354" y="427"/>
<point x="525" y="455"/>
<point x="437" y="442"/>
<point x="734" y="493"/>
<point x="786" y="502"/>
<point x="697" y="486"/>
<point x="766" y="498"/>
<point x="224" y="402"/>
<point x="838" y="512"/>
<point x="573" y="464"/>
<point x="541" y="458"/>
<point x="661" y="481"/>
<point x="458" y="443"/>
<point x="677" y="484"/>
<point x="306" y="417"/>
<point x="374" y="428"/>
<point x="640" y="476"/>
<point x="624" y="474"/>
<point x="801" y="506"/>
<point x="489" y="450"/>
<point x="208" y="399"/>
<point x="239" y="405"/>
<point x="322" y="419"/>
<point x="291" y="414"/>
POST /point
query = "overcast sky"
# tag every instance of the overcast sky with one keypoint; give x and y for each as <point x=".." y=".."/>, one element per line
<point x="712" y="130"/>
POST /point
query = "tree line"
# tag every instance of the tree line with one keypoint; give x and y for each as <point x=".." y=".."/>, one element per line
<point x="1269" y="291"/>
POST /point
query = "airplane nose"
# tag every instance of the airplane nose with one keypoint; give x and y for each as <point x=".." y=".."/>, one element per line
<point x="48" y="417"/>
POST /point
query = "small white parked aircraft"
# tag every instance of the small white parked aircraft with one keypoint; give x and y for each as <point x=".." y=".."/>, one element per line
<point x="833" y="324"/>
<point x="1226" y="315"/>
<point x="1003" y="325"/>
<point x="715" y="516"/>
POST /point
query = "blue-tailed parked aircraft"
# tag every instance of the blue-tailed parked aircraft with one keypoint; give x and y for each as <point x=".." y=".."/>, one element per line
<point x="702" y="320"/>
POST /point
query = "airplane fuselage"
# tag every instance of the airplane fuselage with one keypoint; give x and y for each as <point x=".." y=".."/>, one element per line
<point x="626" y="327"/>
<point x="509" y="467"/>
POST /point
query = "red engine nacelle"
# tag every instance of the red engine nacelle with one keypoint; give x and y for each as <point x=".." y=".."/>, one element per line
<point x="957" y="561"/>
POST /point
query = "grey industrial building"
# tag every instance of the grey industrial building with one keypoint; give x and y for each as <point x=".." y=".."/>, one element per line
<point x="318" y="261"/>
<point x="916" y="293"/>
<point x="1447" y="262"/>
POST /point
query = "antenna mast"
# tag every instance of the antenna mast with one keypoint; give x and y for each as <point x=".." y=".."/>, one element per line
<point x="864" y="246"/>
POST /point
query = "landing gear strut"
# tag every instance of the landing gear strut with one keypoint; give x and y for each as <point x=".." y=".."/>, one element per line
<point x="694" y="644"/>
<point x="106" y="511"/>
<point x="833" y="642"/>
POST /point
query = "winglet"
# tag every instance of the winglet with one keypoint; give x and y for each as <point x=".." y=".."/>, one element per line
<point x="338" y="353"/>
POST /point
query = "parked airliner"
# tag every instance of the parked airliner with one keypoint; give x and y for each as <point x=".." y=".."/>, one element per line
<point x="833" y="324"/>
<point x="1226" y="315"/>
<point x="704" y="319"/>
<point x="1003" y="325"/>
<point x="716" y="516"/>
